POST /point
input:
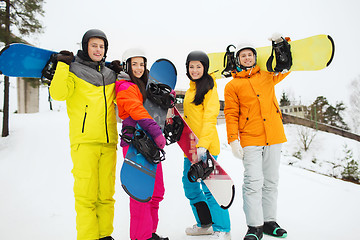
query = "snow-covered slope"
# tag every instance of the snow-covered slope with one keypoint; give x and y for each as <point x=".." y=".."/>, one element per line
<point x="37" y="199"/>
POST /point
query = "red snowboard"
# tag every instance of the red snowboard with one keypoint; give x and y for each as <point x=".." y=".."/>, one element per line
<point x="219" y="182"/>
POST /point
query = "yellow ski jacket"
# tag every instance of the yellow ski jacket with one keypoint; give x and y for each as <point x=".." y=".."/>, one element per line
<point x="202" y="118"/>
<point x="89" y="91"/>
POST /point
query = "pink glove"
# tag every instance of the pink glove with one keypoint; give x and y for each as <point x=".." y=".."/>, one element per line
<point x="160" y="141"/>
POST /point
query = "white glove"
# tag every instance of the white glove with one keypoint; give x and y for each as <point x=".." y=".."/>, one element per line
<point x="201" y="154"/>
<point x="282" y="72"/>
<point x="276" y="37"/>
<point x="237" y="149"/>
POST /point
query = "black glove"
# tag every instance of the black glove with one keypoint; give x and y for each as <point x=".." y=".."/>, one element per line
<point x="115" y="66"/>
<point x="65" y="56"/>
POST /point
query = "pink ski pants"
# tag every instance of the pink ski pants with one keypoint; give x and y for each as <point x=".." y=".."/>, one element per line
<point x="144" y="216"/>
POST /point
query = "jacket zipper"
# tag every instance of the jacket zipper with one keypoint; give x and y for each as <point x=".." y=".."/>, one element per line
<point x="83" y="126"/>
<point x="106" y="127"/>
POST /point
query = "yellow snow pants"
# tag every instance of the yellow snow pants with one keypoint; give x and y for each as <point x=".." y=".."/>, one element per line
<point x="94" y="187"/>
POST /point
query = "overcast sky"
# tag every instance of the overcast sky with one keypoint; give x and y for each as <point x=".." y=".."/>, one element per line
<point x="171" y="29"/>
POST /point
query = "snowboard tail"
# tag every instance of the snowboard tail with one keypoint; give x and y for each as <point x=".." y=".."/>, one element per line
<point x="22" y="60"/>
<point x="136" y="169"/>
<point x="308" y="54"/>
<point x="219" y="182"/>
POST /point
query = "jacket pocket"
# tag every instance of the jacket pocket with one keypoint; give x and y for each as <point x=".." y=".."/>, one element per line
<point x="244" y="118"/>
<point x="278" y="110"/>
<point x="84" y="120"/>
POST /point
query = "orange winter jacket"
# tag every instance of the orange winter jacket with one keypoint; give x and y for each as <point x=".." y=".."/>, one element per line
<point x="131" y="109"/>
<point x="252" y="110"/>
<point x="130" y="101"/>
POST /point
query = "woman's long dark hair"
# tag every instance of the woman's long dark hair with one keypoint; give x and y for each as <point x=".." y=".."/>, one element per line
<point x="203" y="85"/>
<point x="140" y="82"/>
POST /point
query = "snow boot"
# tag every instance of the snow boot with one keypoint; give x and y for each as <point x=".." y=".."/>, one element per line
<point x="197" y="231"/>
<point x="254" y="233"/>
<point x="273" y="229"/>
<point x="157" y="237"/>
<point x="106" y="238"/>
<point x="220" y="236"/>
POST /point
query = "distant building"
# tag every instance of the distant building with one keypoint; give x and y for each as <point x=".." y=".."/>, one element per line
<point x="295" y="110"/>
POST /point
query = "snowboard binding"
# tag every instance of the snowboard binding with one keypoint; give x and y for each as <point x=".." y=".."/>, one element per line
<point x="201" y="170"/>
<point x="143" y="143"/>
<point x="229" y="62"/>
<point x="48" y="71"/>
<point x="173" y="131"/>
<point x="282" y="55"/>
<point x="160" y="94"/>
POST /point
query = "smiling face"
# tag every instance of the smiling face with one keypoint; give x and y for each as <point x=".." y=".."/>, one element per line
<point x="137" y="66"/>
<point x="96" y="49"/>
<point x="196" y="69"/>
<point x="247" y="58"/>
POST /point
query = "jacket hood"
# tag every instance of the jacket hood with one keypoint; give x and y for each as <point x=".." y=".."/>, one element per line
<point x="85" y="59"/>
<point x="246" y="73"/>
<point x="92" y="72"/>
<point x="124" y="75"/>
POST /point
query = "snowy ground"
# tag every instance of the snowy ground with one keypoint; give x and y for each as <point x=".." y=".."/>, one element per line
<point x="37" y="198"/>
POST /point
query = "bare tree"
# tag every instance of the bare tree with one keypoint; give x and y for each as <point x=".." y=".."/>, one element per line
<point x="306" y="137"/>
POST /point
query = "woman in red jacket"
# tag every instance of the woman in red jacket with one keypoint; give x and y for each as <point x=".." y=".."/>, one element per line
<point x="130" y="96"/>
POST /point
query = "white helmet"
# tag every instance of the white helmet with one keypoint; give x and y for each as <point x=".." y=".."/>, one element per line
<point x="241" y="47"/>
<point x="130" y="53"/>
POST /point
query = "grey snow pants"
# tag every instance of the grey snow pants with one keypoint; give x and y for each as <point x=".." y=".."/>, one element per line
<point x="260" y="188"/>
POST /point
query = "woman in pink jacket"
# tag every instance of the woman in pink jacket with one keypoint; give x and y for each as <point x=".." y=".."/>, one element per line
<point x="130" y="96"/>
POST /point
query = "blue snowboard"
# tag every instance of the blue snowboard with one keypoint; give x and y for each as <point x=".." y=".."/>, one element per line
<point x="137" y="174"/>
<point x="21" y="60"/>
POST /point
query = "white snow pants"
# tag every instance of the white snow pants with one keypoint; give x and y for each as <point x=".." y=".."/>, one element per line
<point x="261" y="177"/>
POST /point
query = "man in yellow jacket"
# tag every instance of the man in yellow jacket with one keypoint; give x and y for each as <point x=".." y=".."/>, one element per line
<point x="252" y="114"/>
<point x="89" y="90"/>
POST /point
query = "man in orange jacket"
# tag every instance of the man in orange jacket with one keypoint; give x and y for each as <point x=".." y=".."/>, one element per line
<point x="252" y="114"/>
